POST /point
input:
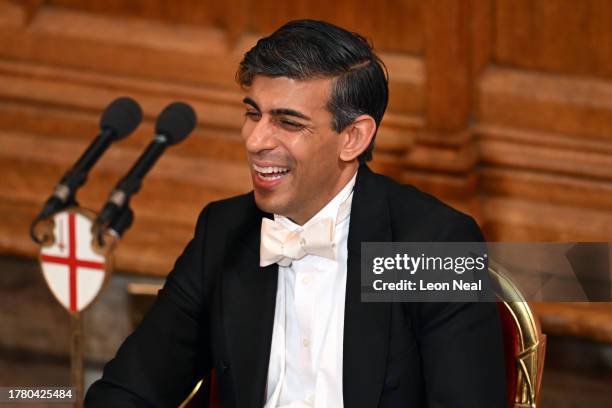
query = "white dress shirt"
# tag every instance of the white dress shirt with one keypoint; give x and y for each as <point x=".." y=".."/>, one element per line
<point x="305" y="368"/>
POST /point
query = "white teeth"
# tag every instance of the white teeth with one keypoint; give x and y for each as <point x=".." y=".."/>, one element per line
<point x="272" y="177"/>
<point x="270" y="170"/>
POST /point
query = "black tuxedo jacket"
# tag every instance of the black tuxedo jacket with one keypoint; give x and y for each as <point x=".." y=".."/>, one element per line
<point x="216" y="310"/>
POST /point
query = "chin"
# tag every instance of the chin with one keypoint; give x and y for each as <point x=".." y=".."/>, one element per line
<point x="268" y="205"/>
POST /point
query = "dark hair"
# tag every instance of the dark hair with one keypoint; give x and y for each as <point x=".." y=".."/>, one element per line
<point x="306" y="49"/>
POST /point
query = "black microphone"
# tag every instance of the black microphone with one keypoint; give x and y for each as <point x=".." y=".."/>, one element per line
<point x="173" y="125"/>
<point x="118" y="120"/>
<point x="115" y="229"/>
<point x="121" y="222"/>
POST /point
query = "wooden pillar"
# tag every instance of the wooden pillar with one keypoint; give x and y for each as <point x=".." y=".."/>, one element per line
<point x="447" y="64"/>
<point x="457" y="46"/>
<point x="458" y="37"/>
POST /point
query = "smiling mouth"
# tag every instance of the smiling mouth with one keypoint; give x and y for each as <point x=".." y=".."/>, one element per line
<point x="271" y="173"/>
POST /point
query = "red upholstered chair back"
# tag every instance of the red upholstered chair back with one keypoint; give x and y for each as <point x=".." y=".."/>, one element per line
<point x="511" y="346"/>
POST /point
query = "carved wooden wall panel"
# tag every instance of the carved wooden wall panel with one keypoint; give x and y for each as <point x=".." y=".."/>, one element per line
<point x="489" y="110"/>
<point x="564" y="36"/>
<point x="394" y="25"/>
<point x="59" y="67"/>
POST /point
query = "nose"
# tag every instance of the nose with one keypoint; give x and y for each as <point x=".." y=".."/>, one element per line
<point x="259" y="136"/>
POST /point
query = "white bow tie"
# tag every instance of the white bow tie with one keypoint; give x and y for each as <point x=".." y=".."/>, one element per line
<point x="282" y="246"/>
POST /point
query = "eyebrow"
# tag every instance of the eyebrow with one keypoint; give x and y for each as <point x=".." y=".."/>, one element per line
<point x="277" y="112"/>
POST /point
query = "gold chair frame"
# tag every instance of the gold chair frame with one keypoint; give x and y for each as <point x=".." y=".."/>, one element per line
<point x="531" y="341"/>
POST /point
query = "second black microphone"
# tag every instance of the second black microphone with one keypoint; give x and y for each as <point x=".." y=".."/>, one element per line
<point x="173" y="125"/>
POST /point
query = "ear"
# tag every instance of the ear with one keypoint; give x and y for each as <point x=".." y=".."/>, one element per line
<point x="357" y="137"/>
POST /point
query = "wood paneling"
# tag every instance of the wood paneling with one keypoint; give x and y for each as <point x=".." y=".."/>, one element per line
<point x="589" y="320"/>
<point x="503" y="108"/>
<point x="394" y="25"/>
<point x="59" y="70"/>
<point x="566" y="36"/>
<point x="578" y="107"/>
<point x="521" y="220"/>
<point x="447" y="36"/>
<point x="458" y="125"/>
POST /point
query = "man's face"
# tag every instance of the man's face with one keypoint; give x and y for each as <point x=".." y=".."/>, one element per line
<point x="293" y="152"/>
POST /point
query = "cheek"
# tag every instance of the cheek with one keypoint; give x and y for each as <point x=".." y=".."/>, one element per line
<point x="322" y="163"/>
<point x="327" y="152"/>
<point x="315" y="155"/>
<point x="314" y="147"/>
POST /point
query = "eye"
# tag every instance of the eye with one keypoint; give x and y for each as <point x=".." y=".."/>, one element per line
<point x="252" y="114"/>
<point x="291" y="125"/>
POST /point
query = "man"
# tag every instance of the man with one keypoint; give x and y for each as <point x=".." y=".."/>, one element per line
<point x="268" y="291"/>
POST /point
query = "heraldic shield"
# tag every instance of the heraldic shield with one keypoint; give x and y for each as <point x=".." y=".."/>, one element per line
<point x="75" y="269"/>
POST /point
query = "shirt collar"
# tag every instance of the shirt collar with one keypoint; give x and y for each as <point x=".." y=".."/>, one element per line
<point x="330" y="210"/>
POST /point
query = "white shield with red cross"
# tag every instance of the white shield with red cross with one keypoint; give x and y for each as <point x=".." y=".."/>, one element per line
<point x="74" y="272"/>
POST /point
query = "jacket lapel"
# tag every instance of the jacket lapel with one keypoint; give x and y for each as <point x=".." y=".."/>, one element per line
<point x="250" y="298"/>
<point x="366" y="325"/>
